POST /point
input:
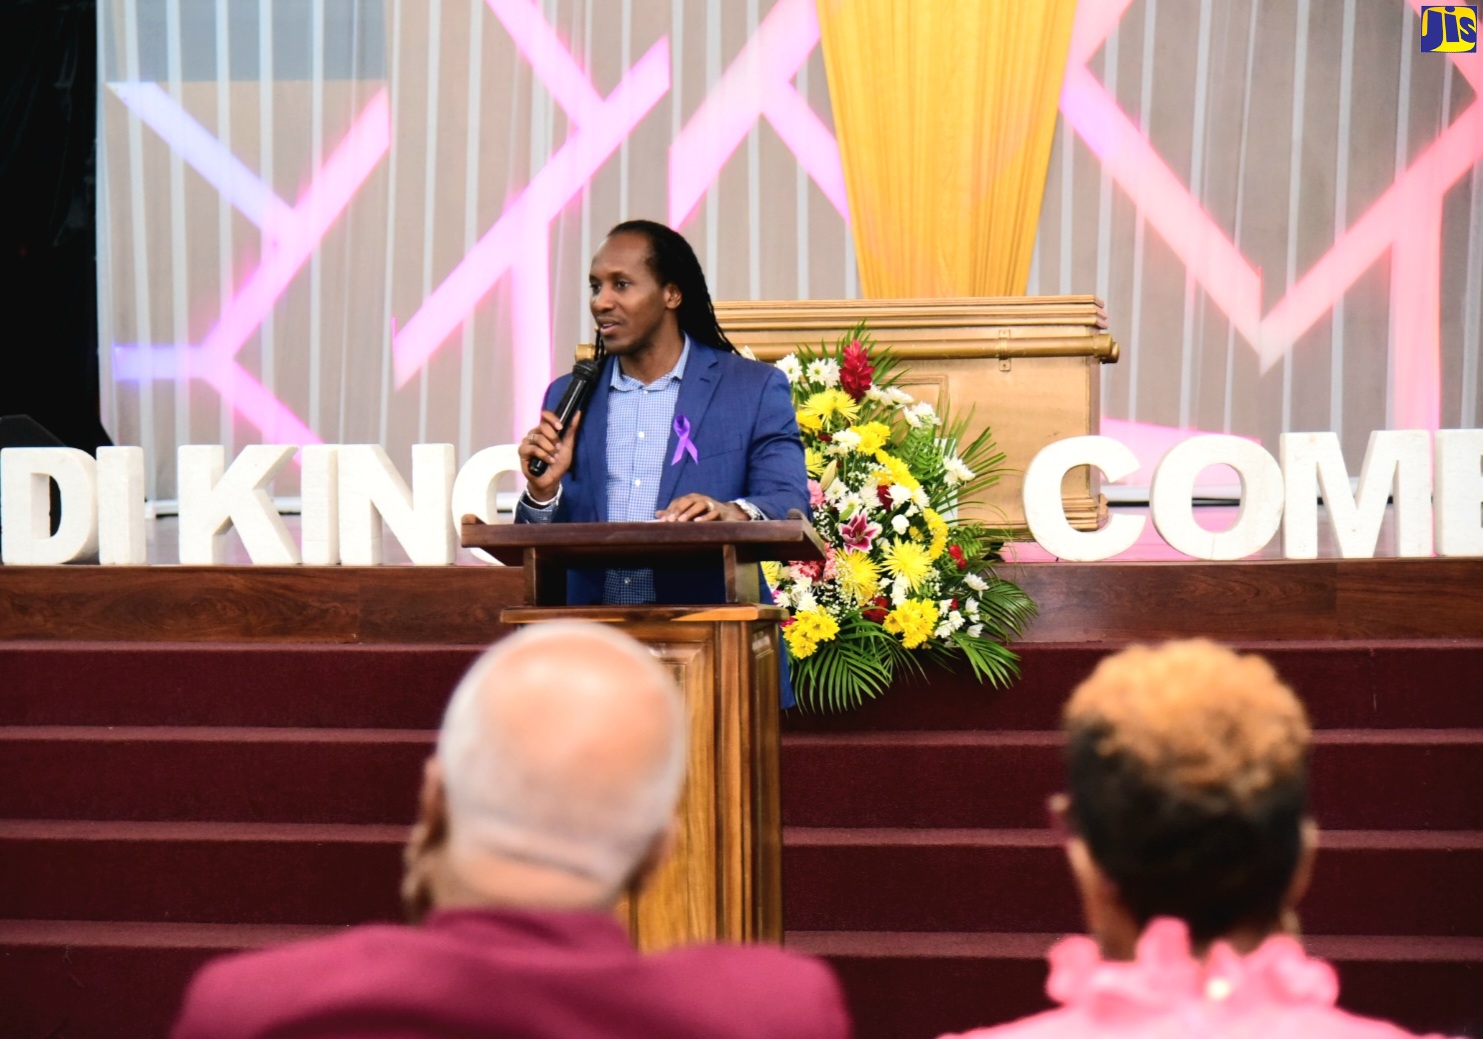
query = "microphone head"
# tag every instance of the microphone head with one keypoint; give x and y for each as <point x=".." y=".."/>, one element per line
<point x="585" y="370"/>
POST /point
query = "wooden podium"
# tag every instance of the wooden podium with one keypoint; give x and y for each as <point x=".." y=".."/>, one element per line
<point x="723" y="881"/>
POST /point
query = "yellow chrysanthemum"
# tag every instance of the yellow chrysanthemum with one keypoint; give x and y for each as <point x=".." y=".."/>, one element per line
<point x="873" y="436"/>
<point x="914" y="620"/>
<point x="938" y="527"/>
<point x="813" y="459"/>
<point x="895" y="471"/>
<point x="820" y="407"/>
<point x="909" y="560"/>
<point x="809" y="628"/>
<point x="773" y="571"/>
<point x="858" y="575"/>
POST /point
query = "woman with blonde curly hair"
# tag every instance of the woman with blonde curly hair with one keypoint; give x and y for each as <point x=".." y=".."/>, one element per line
<point x="1190" y="843"/>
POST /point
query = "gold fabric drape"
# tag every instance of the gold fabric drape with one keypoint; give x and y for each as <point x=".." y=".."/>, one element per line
<point x="945" y="111"/>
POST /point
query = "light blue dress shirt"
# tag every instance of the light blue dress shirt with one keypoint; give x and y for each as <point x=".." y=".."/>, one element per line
<point x="639" y="419"/>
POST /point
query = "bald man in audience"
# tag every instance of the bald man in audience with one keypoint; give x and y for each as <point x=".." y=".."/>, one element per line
<point x="552" y="790"/>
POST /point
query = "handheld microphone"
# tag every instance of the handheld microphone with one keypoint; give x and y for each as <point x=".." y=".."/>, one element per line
<point x="584" y="376"/>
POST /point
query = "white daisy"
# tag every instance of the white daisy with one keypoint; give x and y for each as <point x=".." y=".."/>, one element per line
<point x="978" y="584"/>
<point x="900" y="524"/>
<point x="790" y="367"/>
<point x="900" y="589"/>
<point x="975" y="630"/>
<point x="955" y="472"/>
<point x="804" y="600"/>
<point x="825" y="372"/>
<point x="900" y="494"/>
<point x="924" y="413"/>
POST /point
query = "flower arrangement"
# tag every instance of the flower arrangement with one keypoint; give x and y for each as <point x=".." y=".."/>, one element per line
<point x="904" y="580"/>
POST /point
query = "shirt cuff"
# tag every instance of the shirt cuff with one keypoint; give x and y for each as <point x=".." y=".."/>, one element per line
<point x="527" y="511"/>
<point x="753" y="513"/>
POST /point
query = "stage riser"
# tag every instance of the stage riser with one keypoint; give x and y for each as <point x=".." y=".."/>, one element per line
<point x="277" y="685"/>
<point x="282" y="792"/>
<point x="983" y="783"/>
<point x="1371" y="684"/>
<point x="1020" y="883"/>
<point x="898" y="883"/>
<point x="359" y="776"/>
<point x="254" y="778"/>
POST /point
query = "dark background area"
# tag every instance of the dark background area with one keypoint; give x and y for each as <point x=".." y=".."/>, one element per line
<point x="48" y="225"/>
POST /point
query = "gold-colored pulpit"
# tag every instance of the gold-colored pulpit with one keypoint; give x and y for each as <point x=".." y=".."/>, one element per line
<point x="1026" y="366"/>
<point x="723" y="882"/>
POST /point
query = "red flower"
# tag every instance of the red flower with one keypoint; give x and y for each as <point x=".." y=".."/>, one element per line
<point x="953" y="605"/>
<point x="883" y="493"/>
<point x="879" y="606"/>
<point x="826" y="438"/>
<point x="856" y="371"/>
<point x="957" y="554"/>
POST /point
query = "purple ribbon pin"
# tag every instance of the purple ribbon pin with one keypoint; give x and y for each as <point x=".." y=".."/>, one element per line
<point x="686" y="445"/>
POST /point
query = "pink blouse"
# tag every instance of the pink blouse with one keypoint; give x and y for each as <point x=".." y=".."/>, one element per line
<point x="1277" y="992"/>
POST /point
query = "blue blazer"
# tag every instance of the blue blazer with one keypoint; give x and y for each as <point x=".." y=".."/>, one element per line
<point x="745" y="435"/>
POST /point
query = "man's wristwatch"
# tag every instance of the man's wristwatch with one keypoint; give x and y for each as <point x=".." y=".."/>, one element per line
<point x="753" y="513"/>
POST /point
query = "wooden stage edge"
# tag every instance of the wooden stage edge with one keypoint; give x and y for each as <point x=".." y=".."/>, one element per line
<point x="1079" y="602"/>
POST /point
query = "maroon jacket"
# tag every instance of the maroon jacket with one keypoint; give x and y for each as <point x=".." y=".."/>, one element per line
<point x="489" y="974"/>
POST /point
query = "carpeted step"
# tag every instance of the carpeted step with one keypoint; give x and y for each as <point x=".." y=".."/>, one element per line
<point x="108" y="980"/>
<point x="256" y="873"/>
<point x="904" y="985"/>
<point x="152" y="683"/>
<point x="1427" y="683"/>
<point x="958" y="779"/>
<point x="1002" y="779"/>
<point x="1388" y="684"/>
<point x="1372" y="882"/>
<point x="214" y="774"/>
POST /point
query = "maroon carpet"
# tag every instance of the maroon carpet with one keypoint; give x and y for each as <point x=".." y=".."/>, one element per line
<point x="161" y="803"/>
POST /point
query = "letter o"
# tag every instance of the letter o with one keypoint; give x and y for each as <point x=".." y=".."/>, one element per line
<point x="1170" y="497"/>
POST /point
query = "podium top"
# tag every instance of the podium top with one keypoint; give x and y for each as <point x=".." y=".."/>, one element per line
<point x="625" y="545"/>
<point x="548" y="550"/>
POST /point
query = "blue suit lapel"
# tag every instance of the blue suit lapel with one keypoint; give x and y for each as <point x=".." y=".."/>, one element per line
<point x="702" y="372"/>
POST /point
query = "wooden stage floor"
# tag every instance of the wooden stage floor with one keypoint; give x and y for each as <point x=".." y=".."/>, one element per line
<point x="1149" y="592"/>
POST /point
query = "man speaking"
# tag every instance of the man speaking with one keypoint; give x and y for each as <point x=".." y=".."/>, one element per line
<point x="678" y="428"/>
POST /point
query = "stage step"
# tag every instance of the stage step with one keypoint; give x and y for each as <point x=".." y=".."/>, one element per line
<point x="1374" y="683"/>
<point x="962" y="779"/>
<point x="1395" y="684"/>
<point x="201" y="872"/>
<point x="917" y="985"/>
<point x="106" y="979"/>
<point x="1365" y="881"/>
<point x="1381" y="882"/>
<point x="184" y="773"/>
<point x="1003" y="778"/>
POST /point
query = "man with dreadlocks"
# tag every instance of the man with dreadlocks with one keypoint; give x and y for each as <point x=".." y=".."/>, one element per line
<point x="680" y="427"/>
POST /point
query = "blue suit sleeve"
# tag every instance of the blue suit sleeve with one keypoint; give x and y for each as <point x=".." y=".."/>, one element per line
<point x="777" y="479"/>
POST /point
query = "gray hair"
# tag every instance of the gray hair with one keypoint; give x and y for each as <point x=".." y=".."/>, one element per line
<point x="533" y="799"/>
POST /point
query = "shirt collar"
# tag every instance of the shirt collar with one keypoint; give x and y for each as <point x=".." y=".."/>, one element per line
<point x="622" y="382"/>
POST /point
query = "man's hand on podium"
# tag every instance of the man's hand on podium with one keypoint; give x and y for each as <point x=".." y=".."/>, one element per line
<point x="546" y="442"/>
<point x="698" y="508"/>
